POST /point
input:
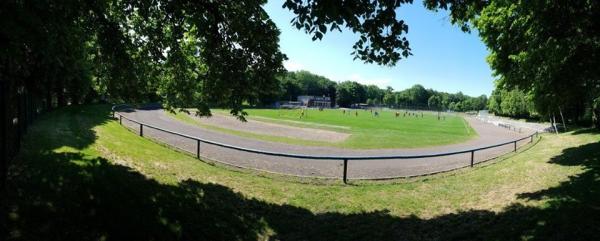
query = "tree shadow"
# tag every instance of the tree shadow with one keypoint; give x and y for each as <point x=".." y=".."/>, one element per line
<point x="65" y="196"/>
<point x="586" y="131"/>
<point x="576" y="202"/>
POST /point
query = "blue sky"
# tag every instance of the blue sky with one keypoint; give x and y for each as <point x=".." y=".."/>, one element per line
<point x="444" y="58"/>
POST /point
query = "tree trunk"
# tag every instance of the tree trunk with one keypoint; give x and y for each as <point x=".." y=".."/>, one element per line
<point x="4" y="136"/>
<point x="553" y="122"/>
<point x="48" y="100"/>
<point x="61" y="98"/>
<point x="596" y="116"/>
<point x="563" y="118"/>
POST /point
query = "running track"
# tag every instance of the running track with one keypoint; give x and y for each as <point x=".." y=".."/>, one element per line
<point x="357" y="169"/>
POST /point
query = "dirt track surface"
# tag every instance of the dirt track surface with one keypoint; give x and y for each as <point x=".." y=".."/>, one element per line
<point x="357" y="169"/>
<point x="260" y="127"/>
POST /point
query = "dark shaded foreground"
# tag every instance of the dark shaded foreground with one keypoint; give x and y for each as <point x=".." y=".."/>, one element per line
<point x="71" y="196"/>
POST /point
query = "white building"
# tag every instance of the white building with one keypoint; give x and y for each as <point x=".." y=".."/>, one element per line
<point x="315" y="101"/>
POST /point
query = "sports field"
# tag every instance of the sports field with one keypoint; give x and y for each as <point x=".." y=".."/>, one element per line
<point x="82" y="176"/>
<point x="367" y="131"/>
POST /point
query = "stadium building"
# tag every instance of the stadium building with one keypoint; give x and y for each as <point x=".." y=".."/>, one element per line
<point x="314" y="101"/>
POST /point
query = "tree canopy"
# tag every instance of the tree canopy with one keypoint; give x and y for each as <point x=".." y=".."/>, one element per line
<point x="418" y="97"/>
<point x="553" y="50"/>
<point x="303" y="82"/>
<point x="381" y="33"/>
<point x="549" y="49"/>
<point x="350" y="92"/>
<point x="226" y="53"/>
<point x="184" y="53"/>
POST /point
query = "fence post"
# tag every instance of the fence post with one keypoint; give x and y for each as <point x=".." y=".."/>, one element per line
<point x="198" y="149"/>
<point x="531" y="141"/>
<point x="515" y="146"/>
<point x="472" y="157"/>
<point x="120" y="120"/>
<point x="141" y="129"/>
<point x="345" y="171"/>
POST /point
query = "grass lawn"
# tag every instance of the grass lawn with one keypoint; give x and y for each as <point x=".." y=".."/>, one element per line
<point x="82" y="176"/>
<point x="367" y="131"/>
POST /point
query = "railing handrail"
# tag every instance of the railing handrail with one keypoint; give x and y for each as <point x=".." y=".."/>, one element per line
<point x="114" y="107"/>
<point x="282" y="154"/>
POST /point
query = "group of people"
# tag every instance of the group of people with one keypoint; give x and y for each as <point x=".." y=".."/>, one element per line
<point x="376" y="114"/>
<point x="406" y="113"/>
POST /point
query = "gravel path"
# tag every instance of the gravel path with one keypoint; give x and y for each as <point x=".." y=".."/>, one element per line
<point x="357" y="169"/>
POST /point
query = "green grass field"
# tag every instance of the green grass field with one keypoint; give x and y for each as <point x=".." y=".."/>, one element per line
<point x="82" y="176"/>
<point x="367" y="131"/>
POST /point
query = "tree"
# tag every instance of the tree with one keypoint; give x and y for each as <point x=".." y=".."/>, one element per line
<point x="596" y="110"/>
<point x="381" y="33"/>
<point x="374" y="93"/>
<point x="204" y="53"/>
<point x="290" y="89"/>
<point x="350" y="92"/>
<point x="435" y="102"/>
<point x="553" y="51"/>
<point x="370" y="102"/>
<point x="547" y="48"/>
<point x="481" y="103"/>
<point x="495" y="101"/>
<point x="298" y="83"/>
<point x="403" y="99"/>
<point x="389" y="99"/>
<point x="513" y="103"/>
<point x="187" y="53"/>
<point x="452" y="106"/>
<point x="417" y="95"/>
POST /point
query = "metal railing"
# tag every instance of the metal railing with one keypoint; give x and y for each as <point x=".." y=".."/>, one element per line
<point x="345" y="159"/>
<point x="509" y="127"/>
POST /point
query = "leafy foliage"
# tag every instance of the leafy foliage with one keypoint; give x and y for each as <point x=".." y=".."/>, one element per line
<point x="381" y="33"/>
<point x="41" y="50"/>
<point x="419" y="97"/>
<point x="549" y="49"/>
<point x="350" y="92"/>
<point x="214" y="53"/>
<point x="226" y="53"/>
<point x="303" y="82"/>
<point x="184" y="53"/>
<point x="514" y="103"/>
<point x="435" y="102"/>
<point x="374" y="95"/>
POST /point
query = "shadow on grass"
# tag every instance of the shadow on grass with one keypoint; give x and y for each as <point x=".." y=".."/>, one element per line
<point x="586" y="131"/>
<point x="71" y="196"/>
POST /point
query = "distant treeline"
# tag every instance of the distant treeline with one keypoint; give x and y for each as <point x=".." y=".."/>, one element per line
<point x="344" y="94"/>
